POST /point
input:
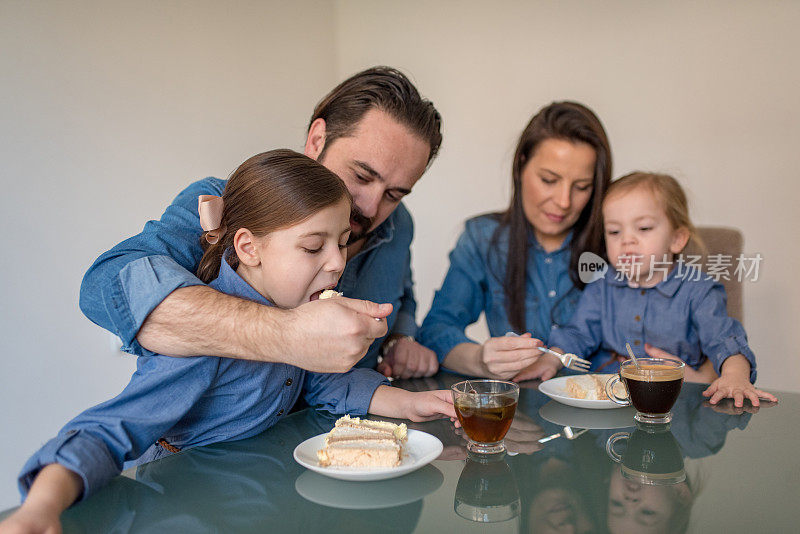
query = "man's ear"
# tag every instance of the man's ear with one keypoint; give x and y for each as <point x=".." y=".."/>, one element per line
<point x="680" y="238"/>
<point x="315" y="141"/>
<point x="245" y="247"/>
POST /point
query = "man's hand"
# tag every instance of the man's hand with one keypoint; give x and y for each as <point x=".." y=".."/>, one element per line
<point x="408" y="359"/>
<point x="332" y="335"/>
<point x="327" y="336"/>
<point x="504" y="357"/>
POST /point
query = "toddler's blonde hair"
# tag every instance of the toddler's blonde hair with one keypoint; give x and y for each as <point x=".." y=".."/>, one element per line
<point x="669" y="192"/>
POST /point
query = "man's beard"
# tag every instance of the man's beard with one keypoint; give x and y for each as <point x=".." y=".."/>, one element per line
<point x="364" y="222"/>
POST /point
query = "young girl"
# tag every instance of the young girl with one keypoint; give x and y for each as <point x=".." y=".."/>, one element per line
<point x="646" y="299"/>
<point x="277" y="236"/>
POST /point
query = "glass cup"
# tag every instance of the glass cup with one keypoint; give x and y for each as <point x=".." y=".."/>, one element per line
<point x="653" y="387"/>
<point x="485" y="409"/>
<point x="486" y="490"/>
<point x="652" y="455"/>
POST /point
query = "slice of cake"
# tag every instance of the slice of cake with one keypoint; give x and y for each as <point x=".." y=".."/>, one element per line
<point x="360" y="453"/>
<point x="588" y="387"/>
<point x="400" y="431"/>
<point x="329" y="294"/>
<point x="360" y="443"/>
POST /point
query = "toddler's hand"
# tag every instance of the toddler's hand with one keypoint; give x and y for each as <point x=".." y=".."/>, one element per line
<point x="736" y="388"/>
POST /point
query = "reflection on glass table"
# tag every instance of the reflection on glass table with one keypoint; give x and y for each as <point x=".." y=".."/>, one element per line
<point x="486" y="491"/>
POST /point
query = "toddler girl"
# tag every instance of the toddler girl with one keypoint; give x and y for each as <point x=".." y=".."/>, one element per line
<point x="646" y="297"/>
<point x="277" y="236"/>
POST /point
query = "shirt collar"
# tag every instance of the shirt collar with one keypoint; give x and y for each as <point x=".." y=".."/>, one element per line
<point x="229" y="282"/>
<point x="382" y="234"/>
<point x="539" y="248"/>
<point x="667" y="287"/>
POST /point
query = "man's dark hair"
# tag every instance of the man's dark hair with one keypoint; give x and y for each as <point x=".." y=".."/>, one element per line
<point x="385" y="89"/>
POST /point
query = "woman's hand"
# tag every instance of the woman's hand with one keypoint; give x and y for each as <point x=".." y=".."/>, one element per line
<point x="544" y="368"/>
<point x="504" y="357"/>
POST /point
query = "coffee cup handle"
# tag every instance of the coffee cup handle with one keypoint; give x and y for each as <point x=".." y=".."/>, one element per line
<point x="610" y="445"/>
<point x="610" y="392"/>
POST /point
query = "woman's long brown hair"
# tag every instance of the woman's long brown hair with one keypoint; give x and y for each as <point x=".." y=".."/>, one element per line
<point x="270" y="191"/>
<point x="573" y="122"/>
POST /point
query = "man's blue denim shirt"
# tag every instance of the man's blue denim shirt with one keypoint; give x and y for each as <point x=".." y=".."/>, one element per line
<point x="682" y="315"/>
<point x="474" y="284"/>
<point x="192" y="402"/>
<point x="126" y="283"/>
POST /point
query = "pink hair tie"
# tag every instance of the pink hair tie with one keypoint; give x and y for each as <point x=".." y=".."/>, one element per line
<point x="210" y="208"/>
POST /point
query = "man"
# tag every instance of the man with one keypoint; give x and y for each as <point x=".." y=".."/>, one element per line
<point x="379" y="135"/>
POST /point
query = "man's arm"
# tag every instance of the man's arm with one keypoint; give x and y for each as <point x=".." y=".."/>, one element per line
<point x="328" y="336"/>
<point x="144" y="290"/>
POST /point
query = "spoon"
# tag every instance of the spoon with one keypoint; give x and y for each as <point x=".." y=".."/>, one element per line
<point x="630" y="351"/>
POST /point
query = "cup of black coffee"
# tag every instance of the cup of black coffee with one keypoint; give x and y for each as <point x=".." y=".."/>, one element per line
<point x="652" y="455"/>
<point x="653" y="385"/>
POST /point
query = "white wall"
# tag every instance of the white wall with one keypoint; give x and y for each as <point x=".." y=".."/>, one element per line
<point x="107" y="110"/>
<point x="706" y="91"/>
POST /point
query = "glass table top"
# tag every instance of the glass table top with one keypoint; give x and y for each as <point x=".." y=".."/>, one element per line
<point x="717" y="469"/>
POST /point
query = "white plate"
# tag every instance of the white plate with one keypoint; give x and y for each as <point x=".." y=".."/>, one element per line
<point x="369" y="495"/>
<point x="420" y="449"/>
<point x="563" y="415"/>
<point x="556" y="389"/>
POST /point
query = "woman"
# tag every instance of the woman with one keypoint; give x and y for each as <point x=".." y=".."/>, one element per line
<point x="520" y="266"/>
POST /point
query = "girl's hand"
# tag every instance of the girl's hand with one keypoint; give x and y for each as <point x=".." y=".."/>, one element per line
<point x="544" y="368"/>
<point x="504" y="357"/>
<point x="428" y="405"/>
<point x="736" y="388"/>
<point x="26" y="520"/>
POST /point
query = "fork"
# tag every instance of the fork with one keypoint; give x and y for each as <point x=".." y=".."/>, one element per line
<point x="568" y="433"/>
<point x="569" y="360"/>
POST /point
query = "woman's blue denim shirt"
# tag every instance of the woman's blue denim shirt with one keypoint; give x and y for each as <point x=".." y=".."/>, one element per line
<point x="474" y="285"/>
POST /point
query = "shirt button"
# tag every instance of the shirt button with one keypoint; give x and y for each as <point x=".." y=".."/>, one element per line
<point x="551" y="293"/>
<point x="637" y="342"/>
<point x="643" y="292"/>
<point x="288" y="381"/>
<point x="548" y="260"/>
<point x="280" y="412"/>
<point x="554" y="327"/>
<point x="637" y="318"/>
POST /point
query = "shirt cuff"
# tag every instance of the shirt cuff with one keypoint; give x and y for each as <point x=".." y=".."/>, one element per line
<point x="730" y="346"/>
<point x="78" y="452"/>
<point x="405" y="324"/>
<point x="141" y="286"/>
<point x="443" y="342"/>
<point x="363" y="383"/>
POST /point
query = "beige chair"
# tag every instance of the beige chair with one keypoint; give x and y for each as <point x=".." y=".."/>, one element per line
<point x="727" y="241"/>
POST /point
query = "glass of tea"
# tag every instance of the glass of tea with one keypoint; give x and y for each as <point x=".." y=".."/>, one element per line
<point x="485" y="409"/>
<point x="486" y="490"/>
<point x="653" y="387"/>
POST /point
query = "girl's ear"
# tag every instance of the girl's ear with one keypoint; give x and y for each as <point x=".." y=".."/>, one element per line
<point x="680" y="238"/>
<point x="315" y="141"/>
<point x="243" y="243"/>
